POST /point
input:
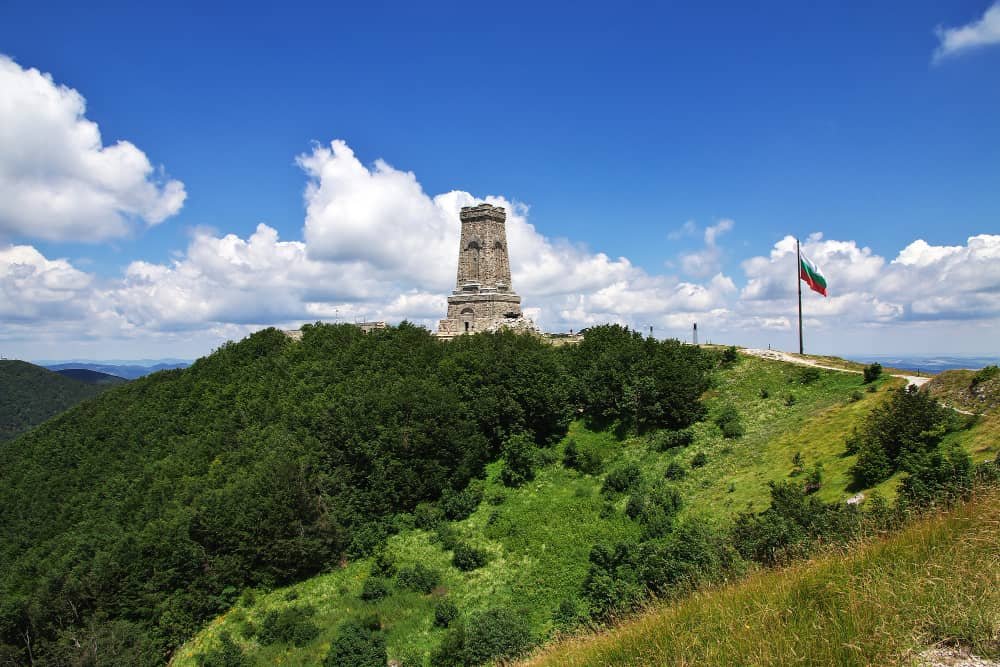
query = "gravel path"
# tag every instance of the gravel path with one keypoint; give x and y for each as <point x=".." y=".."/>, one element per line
<point x="777" y="355"/>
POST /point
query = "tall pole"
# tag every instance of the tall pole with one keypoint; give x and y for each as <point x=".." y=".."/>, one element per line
<point x="798" y="283"/>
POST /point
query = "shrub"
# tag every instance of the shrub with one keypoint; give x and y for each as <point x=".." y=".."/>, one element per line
<point x="622" y="479"/>
<point x="898" y="434"/>
<point x="427" y="516"/>
<point x="730" y="356"/>
<point x="567" y="614"/>
<point x="654" y="508"/>
<point x="418" y="578"/>
<point x="520" y="460"/>
<point x="459" y="505"/>
<point x="612" y="583"/>
<point x="856" y="396"/>
<point x="292" y="625"/>
<point x="809" y="375"/>
<point x="941" y="477"/>
<point x="814" y="480"/>
<point x="796" y="464"/>
<point x="699" y="460"/>
<point x="872" y="372"/>
<point x="228" y="654"/>
<point x="446" y="536"/>
<point x="764" y="393"/>
<point x="383" y="565"/>
<point x="790" y="400"/>
<point x="571" y="456"/>
<point x="445" y="612"/>
<point x="495" y="634"/>
<point x="358" y="643"/>
<point x="984" y="374"/>
<point x="468" y="558"/>
<point x="728" y="421"/>
<point x="693" y="553"/>
<point x="665" y="440"/>
<point x="374" y="588"/>
<point x="585" y="459"/>
<point x="675" y="471"/>
<point x="872" y="389"/>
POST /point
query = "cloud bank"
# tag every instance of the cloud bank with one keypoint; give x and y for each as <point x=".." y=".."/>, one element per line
<point x="377" y="246"/>
<point x="58" y="181"/>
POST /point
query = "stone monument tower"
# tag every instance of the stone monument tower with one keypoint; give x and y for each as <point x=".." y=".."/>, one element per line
<point x="483" y="299"/>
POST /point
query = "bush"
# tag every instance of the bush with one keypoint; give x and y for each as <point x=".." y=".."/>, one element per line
<point x="790" y="400"/>
<point x="872" y="372"/>
<point x="468" y="558"/>
<point x="809" y="375"/>
<point x="419" y="578"/>
<point x="567" y="614"/>
<point x="764" y="393"/>
<point x="814" y="480"/>
<point x="898" y="434"/>
<point x="374" y="588"/>
<point x="984" y="374"/>
<point x="940" y="478"/>
<point x="665" y="440"/>
<point x="694" y="553"/>
<point x="228" y="654"/>
<point x="445" y="612"/>
<point x="730" y="356"/>
<point x="699" y="460"/>
<point x="675" y="471"/>
<point x="358" y="643"/>
<point x="495" y="634"/>
<point x="520" y="460"/>
<point x="654" y="508"/>
<point x="459" y="505"/>
<point x="292" y="625"/>
<point x="427" y="516"/>
<point x="584" y="459"/>
<point x="728" y="421"/>
<point x="612" y="584"/>
<point x="383" y="565"/>
<point x="856" y="396"/>
<point x="622" y="479"/>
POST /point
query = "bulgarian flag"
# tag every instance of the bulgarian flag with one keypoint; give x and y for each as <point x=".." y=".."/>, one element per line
<point x="809" y="272"/>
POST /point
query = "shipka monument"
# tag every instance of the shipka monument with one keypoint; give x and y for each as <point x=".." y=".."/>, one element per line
<point x="483" y="299"/>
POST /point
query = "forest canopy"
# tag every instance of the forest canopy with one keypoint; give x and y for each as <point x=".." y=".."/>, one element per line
<point x="130" y="520"/>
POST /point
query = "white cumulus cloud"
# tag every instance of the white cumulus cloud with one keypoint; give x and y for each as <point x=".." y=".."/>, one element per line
<point x="979" y="33"/>
<point x="58" y="181"/>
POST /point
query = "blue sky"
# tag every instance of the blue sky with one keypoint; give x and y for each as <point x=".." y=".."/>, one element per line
<point x="627" y="130"/>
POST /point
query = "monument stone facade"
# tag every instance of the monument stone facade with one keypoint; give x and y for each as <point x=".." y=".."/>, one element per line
<point x="483" y="298"/>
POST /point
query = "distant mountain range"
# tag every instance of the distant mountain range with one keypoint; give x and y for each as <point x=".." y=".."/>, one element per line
<point x="130" y="370"/>
<point x="932" y="363"/>
<point x="90" y="377"/>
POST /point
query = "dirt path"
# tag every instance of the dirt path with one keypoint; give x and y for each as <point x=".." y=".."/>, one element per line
<point x="777" y="355"/>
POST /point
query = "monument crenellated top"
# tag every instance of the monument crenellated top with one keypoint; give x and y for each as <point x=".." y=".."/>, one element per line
<point x="483" y="212"/>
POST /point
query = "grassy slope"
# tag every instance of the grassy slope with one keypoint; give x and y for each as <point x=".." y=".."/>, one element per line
<point x="30" y="394"/>
<point x="936" y="581"/>
<point x="540" y="535"/>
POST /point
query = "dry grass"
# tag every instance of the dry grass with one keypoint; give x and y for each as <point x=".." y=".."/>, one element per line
<point x="936" y="581"/>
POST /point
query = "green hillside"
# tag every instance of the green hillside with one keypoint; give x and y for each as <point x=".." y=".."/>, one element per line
<point x="538" y="538"/>
<point x="30" y="394"/>
<point x="272" y="460"/>
<point x="936" y="582"/>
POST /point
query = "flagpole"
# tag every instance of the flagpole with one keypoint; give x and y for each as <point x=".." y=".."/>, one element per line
<point x="798" y="282"/>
